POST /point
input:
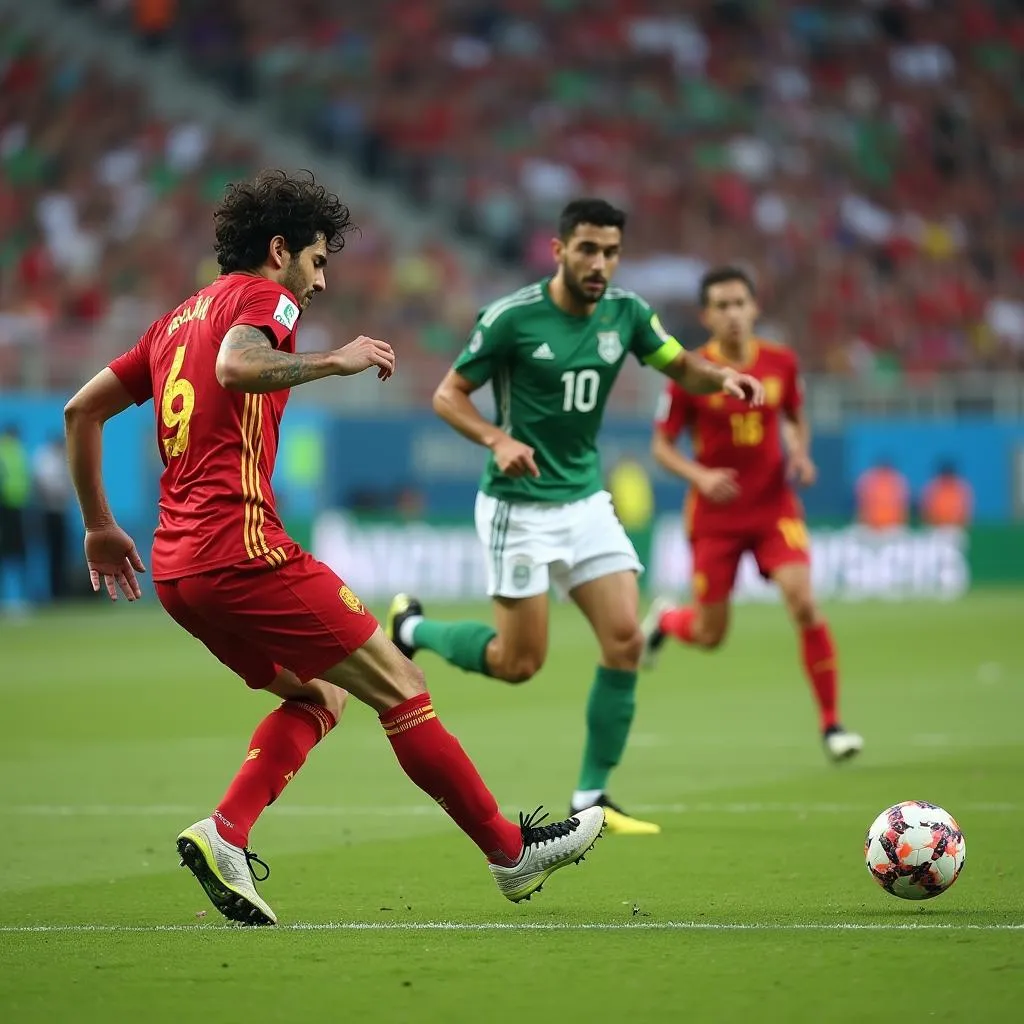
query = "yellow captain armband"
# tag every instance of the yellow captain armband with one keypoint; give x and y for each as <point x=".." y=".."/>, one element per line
<point x="661" y="357"/>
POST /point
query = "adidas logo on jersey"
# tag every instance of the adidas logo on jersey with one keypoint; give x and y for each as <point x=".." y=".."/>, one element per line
<point x="543" y="352"/>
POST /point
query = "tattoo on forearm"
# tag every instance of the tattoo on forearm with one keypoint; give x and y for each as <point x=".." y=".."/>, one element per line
<point x="270" y="368"/>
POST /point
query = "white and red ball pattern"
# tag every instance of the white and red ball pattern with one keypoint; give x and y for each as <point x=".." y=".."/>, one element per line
<point x="915" y="850"/>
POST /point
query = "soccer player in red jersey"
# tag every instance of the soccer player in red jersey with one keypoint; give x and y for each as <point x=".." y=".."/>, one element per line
<point x="741" y="496"/>
<point x="219" y="368"/>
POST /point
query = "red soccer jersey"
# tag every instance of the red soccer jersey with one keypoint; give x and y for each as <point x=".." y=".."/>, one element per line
<point x="729" y="434"/>
<point x="218" y="447"/>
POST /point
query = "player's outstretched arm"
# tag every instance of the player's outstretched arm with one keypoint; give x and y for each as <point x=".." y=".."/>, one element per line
<point x="453" y="404"/>
<point x="718" y="485"/>
<point x="700" y="376"/>
<point x="110" y="552"/>
<point x="247" y="361"/>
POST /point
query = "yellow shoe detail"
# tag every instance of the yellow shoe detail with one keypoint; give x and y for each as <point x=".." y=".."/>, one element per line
<point x="618" y="824"/>
<point x="194" y="835"/>
<point x="399" y="606"/>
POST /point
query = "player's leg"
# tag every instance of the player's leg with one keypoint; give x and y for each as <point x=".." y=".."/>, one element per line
<point x="278" y="749"/>
<point x="705" y="622"/>
<point x="600" y="575"/>
<point x="611" y="604"/>
<point x="521" y="857"/>
<point x="462" y="643"/>
<point x="514" y="648"/>
<point x="312" y="623"/>
<point x="215" y="848"/>
<point x="783" y="556"/>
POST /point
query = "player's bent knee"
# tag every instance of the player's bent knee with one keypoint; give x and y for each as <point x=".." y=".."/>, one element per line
<point x="520" y="668"/>
<point x="334" y="699"/>
<point x="318" y="691"/>
<point x="624" y="649"/>
<point x="710" y="636"/>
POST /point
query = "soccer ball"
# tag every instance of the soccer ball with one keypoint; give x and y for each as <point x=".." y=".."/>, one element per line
<point x="915" y="850"/>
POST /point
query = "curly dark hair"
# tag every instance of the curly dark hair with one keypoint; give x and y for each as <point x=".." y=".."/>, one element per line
<point x="293" y="206"/>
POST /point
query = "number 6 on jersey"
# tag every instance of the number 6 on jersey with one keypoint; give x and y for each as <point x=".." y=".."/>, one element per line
<point x="177" y="419"/>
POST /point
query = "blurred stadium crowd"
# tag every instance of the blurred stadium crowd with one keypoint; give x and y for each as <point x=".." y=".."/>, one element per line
<point x="865" y="156"/>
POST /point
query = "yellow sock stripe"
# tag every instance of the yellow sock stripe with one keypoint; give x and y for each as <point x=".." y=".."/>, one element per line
<point x="394" y="730"/>
<point x="324" y="718"/>
<point x="410" y="714"/>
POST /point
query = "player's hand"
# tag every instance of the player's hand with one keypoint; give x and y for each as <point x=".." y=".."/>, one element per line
<point x="718" y="485"/>
<point x="742" y="385"/>
<point x="113" y="558"/>
<point x="513" y="458"/>
<point x="801" y="469"/>
<point x="363" y="353"/>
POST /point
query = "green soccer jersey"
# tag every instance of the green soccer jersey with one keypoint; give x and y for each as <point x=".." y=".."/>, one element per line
<point x="552" y="373"/>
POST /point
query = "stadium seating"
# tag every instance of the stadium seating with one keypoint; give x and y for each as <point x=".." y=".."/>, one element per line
<point x="854" y="153"/>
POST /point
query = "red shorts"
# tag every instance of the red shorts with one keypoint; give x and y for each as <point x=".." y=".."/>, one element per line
<point x="300" y="616"/>
<point x="716" y="556"/>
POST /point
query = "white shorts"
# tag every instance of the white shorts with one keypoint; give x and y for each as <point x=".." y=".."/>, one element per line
<point x="531" y="546"/>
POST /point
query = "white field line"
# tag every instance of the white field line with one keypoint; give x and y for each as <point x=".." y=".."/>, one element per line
<point x="428" y="810"/>
<point x="503" y="926"/>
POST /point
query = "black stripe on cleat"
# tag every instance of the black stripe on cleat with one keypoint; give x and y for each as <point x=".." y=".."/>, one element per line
<point x="230" y="903"/>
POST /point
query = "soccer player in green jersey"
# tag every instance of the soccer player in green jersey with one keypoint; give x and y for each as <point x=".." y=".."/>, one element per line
<point x="552" y="352"/>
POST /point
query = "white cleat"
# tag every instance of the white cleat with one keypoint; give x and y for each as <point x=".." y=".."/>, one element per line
<point x="653" y="636"/>
<point x="225" y="873"/>
<point x="546" y="848"/>
<point x="841" y="745"/>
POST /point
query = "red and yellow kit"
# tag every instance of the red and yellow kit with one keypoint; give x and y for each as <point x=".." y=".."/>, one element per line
<point x="767" y="517"/>
<point x="224" y="566"/>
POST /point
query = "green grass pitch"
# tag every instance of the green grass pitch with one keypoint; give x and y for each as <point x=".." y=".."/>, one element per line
<point x="116" y="730"/>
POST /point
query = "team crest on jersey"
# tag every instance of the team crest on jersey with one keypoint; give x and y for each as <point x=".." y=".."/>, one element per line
<point x="351" y="600"/>
<point x="772" y="390"/>
<point x="475" y="343"/>
<point x="286" y="313"/>
<point x="609" y="347"/>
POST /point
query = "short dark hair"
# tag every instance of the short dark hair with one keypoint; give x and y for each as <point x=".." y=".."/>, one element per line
<point x="276" y="203"/>
<point x="598" y="212"/>
<point x="723" y="275"/>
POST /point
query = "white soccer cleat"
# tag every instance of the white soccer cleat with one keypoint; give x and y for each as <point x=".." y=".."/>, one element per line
<point x="842" y="745"/>
<point x="225" y="873"/>
<point x="546" y="848"/>
<point x="653" y="636"/>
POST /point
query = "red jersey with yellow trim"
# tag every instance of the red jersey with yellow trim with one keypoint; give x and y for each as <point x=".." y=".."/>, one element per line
<point x="728" y="434"/>
<point x="218" y="447"/>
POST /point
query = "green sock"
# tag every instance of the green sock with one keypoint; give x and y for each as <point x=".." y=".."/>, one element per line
<point x="609" y="716"/>
<point x="460" y="643"/>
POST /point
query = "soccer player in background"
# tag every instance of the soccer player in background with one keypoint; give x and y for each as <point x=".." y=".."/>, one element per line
<point x="741" y="496"/>
<point x="553" y="351"/>
<point x="219" y="368"/>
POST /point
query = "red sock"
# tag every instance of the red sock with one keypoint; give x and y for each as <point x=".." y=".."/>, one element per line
<point x="819" y="655"/>
<point x="277" y="750"/>
<point x="678" y="622"/>
<point x="433" y="758"/>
